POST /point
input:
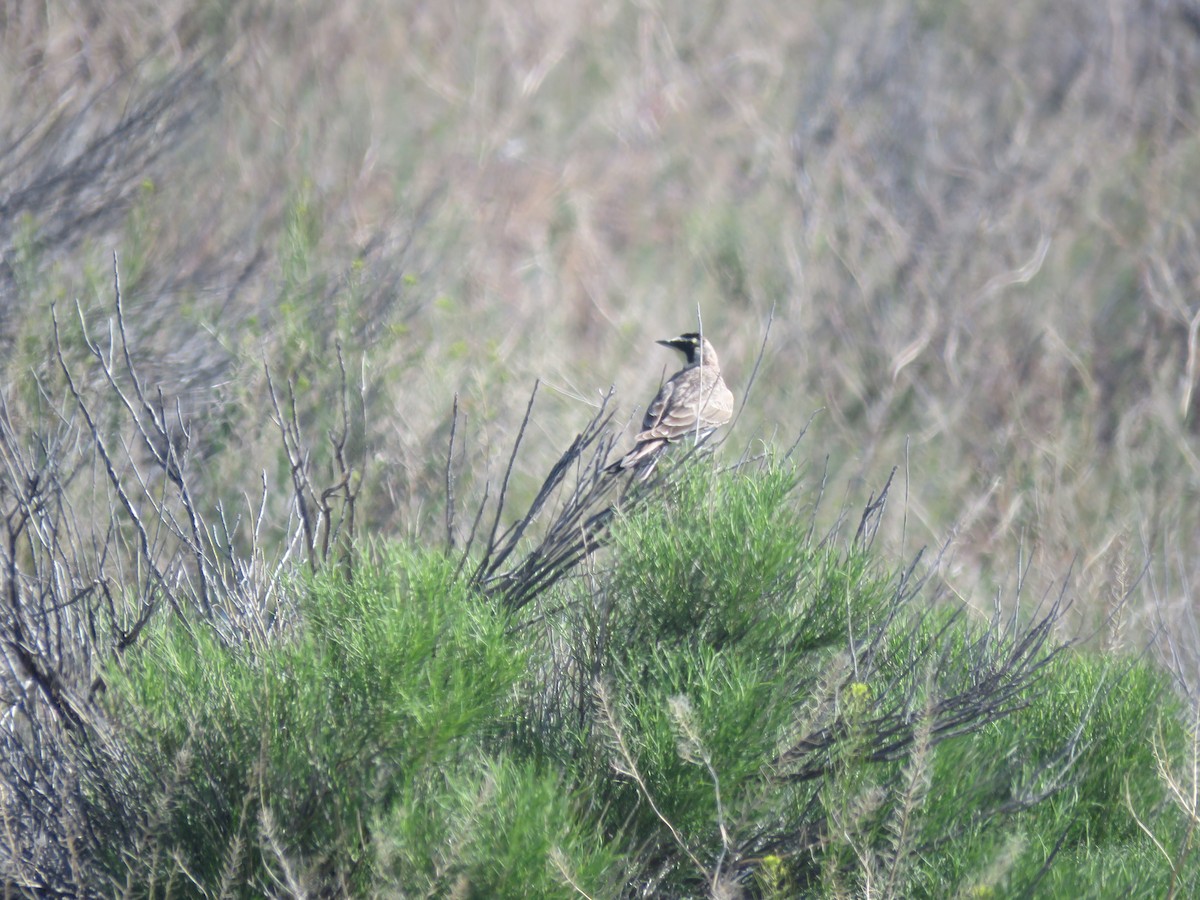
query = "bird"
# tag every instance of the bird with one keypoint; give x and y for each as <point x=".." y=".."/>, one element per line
<point x="694" y="401"/>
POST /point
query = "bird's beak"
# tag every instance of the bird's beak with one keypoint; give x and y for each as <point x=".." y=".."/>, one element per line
<point x="669" y="343"/>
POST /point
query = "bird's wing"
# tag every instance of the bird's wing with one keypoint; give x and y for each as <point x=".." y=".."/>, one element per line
<point x="672" y="414"/>
<point x="719" y="407"/>
<point x="659" y="405"/>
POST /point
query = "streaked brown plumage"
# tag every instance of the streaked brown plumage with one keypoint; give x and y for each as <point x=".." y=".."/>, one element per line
<point x="694" y="401"/>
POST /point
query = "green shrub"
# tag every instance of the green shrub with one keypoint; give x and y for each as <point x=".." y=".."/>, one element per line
<point x="275" y="754"/>
<point x="721" y="640"/>
<point x="1045" y="788"/>
<point x="492" y="828"/>
<point x="777" y="710"/>
<point x="732" y="560"/>
<point x="731" y="702"/>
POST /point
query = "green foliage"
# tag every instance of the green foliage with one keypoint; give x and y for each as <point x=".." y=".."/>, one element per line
<point x="766" y="708"/>
<point x="1091" y="720"/>
<point x="683" y="712"/>
<point x="726" y="617"/>
<point x="732" y="561"/>
<point x="491" y="828"/>
<point x="1112" y="709"/>
<point x="734" y="642"/>
<point x="383" y="681"/>
<point x="1116" y="869"/>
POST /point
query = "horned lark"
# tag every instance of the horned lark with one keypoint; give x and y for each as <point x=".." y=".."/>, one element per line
<point x="695" y="401"/>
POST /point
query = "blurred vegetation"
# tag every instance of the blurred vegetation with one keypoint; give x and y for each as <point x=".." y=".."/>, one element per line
<point x="978" y="241"/>
<point x="972" y="228"/>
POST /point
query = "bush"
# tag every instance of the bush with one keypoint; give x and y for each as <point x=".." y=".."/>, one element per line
<point x="730" y="701"/>
<point x="780" y="711"/>
<point x="492" y="827"/>
<point x="266" y="758"/>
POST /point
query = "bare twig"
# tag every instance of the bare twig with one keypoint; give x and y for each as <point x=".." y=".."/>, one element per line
<point x="450" y="477"/>
<point x="489" y="550"/>
<point x="762" y="350"/>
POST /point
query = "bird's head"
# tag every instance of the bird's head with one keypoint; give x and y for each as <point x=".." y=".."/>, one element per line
<point x="694" y="348"/>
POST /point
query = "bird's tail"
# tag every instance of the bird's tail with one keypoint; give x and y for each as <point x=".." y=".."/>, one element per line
<point x="641" y="459"/>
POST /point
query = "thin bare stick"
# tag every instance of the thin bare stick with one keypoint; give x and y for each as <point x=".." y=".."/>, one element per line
<point x="462" y="561"/>
<point x="512" y="458"/>
<point x="450" y="476"/>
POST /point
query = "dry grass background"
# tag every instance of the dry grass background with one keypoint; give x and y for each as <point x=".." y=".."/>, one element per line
<point x="975" y="223"/>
